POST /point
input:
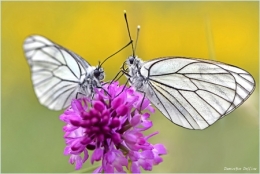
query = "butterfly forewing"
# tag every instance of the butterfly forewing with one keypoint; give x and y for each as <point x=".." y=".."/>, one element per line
<point x="195" y="93"/>
<point x="56" y="71"/>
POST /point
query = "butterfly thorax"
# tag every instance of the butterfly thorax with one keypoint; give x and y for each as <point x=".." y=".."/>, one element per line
<point x="92" y="80"/>
<point x="136" y="79"/>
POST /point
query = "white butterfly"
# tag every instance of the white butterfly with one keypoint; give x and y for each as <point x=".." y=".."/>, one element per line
<point x="192" y="93"/>
<point x="58" y="74"/>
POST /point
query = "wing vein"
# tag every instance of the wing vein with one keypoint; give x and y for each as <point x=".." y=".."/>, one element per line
<point x="177" y="107"/>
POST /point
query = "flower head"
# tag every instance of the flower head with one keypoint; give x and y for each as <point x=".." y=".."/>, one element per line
<point x="111" y="125"/>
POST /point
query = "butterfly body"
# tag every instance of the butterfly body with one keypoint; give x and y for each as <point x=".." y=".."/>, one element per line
<point x="136" y="78"/>
<point x="93" y="79"/>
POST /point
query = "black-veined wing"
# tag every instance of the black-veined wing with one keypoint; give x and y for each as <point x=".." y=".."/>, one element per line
<point x="58" y="74"/>
<point x="192" y="93"/>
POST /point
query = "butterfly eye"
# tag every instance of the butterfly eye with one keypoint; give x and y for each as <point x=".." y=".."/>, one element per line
<point x="131" y="60"/>
<point x="97" y="73"/>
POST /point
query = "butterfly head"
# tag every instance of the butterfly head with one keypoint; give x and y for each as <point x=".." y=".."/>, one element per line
<point x="133" y="66"/>
<point x="132" y="60"/>
<point x="98" y="73"/>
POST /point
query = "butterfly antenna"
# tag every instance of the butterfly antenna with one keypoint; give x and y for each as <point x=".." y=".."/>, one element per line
<point x="137" y="36"/>
<point x="99" y="64"/>
<point x="116" y="52"/>
<point x="127" y="25"/>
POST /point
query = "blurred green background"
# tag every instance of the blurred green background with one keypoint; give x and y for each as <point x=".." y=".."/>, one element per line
<point x="224" y="31"/>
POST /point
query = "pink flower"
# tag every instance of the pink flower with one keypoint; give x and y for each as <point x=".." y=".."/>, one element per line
<point x="111" y="125"/>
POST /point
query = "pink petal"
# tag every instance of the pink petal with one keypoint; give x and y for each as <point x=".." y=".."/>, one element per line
<point x="122" y="110"/>
<point x="97" y="155"/>
<point x="98" y="105"/>
<point x="135" y="168"/>
<point x="98" y="170"/>
<point x="161" y="150"/>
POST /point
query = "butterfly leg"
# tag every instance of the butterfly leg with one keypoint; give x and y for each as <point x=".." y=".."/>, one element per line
<point x="116" y="77"/>
<point x="100" y="87"/>
<point x="144" y="94"/>
<point x="79" y="93"/>
<point x="123" y="88"/>
<point x="123" y="71"/>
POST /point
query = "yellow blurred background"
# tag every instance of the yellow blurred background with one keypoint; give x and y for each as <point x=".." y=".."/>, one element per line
<point x="224" y="31"/>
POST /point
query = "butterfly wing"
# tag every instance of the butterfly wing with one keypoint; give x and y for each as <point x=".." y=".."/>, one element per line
<point x="56" y="72"/>
<point x="195" y="93"/>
